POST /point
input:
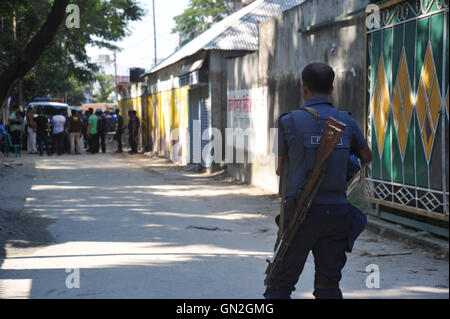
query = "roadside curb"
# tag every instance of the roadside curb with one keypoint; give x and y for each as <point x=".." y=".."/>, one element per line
<point x="398" y="232"/>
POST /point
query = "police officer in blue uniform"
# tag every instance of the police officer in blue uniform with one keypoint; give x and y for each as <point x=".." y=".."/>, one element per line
<point x="332" y="224"/>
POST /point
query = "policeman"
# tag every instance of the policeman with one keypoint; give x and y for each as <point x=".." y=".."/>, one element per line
<point x="119" y="130"/>
<point x="332" y="224"/>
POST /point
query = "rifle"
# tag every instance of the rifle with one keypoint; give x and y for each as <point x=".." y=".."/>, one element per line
<point x="330" y="137"/>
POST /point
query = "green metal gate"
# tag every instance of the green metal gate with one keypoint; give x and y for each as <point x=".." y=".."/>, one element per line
<point x="407" y="107"/>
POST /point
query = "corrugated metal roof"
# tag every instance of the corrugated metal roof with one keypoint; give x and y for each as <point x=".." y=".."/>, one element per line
<point x="238" y="31"/>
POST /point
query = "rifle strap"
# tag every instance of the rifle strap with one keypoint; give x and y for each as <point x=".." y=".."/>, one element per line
<point x="312" y="111"/>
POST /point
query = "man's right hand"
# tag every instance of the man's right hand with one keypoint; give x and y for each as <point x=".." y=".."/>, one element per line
<point x="279" y="165"/>
<point x="366" y="156"/>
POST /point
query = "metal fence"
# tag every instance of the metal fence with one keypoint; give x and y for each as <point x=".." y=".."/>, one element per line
<point x="407" y="107"/>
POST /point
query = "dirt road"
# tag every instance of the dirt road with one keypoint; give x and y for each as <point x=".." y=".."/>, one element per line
<point x="116" y="226"/>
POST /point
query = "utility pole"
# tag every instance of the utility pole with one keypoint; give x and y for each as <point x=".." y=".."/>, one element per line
<point x="154" y="30"/>
<point x="66" y="66"/>
<point x="115" y="69"/>
<point x="115" y="78"/>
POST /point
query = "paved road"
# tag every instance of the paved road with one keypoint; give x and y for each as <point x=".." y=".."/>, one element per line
<point x="135" y="227"/>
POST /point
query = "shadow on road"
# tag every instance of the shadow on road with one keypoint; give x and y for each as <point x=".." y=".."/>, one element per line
<point x="18" y="227"/>
<point x="143" y="228"/>
<point x="162" y="235"/>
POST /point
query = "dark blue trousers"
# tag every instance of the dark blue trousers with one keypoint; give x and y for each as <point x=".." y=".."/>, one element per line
<point x="58" y="143"/>
<point x="325" y="232"/>
<point x="42" y="141"/>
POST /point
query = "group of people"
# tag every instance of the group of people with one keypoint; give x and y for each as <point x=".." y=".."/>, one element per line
<point x="98" y="125"/>
<point x="62" y="133"/>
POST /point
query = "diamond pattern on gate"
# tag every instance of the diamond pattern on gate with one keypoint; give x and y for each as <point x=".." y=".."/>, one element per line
<point x="428" y="103"/>
<point x="380" y="105"/>
<point x="382" y="191"/>
<point x="404" y="196"/>
<point x="430" y="201"/>
<point x="402" y="103"/>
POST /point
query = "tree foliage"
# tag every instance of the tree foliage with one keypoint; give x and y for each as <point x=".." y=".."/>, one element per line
<point x="105" y="87"/>
<point x="65" y="65"/>
<point x="200" y="16"/>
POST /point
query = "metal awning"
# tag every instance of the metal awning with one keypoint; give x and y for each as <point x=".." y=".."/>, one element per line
<point x="197" y="65"/>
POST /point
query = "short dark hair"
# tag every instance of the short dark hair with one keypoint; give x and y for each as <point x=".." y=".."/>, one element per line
<point x="117" y="111"/>
<point x="318" y="77"/>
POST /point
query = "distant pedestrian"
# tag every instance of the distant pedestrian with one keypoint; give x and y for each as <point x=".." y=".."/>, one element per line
<point x="119" y="131"/>
<point x="15" y="125"/>
<point x="92" y="132"/>
<point x="138" y="129"/>
<point x="101" y="130"/>
<point x="66" y="132"/>
<point x="31" y="132"/>
<point x="84" y="125"/>
<point x="133" y="131"/>
<point x="58" y="121"/>
<point x="74" y="128"/>
<point x="42" y="133"/>
<point x="110" y="125"/>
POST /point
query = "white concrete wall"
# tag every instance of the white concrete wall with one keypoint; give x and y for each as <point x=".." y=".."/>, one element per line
<point x="284" y="52"/>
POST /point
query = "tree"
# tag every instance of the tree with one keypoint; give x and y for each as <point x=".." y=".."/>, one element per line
<point x="199" y="17"/>
<point x="106" y="87"/>
<point x="27" y="57"/>
<point x="65" y="66"/>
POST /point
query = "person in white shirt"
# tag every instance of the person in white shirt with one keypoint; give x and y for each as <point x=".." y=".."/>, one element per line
<point x="58" y="121"/>
<point x="31" y="130"/>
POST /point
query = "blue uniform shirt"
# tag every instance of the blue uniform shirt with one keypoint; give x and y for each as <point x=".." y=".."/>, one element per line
<point x="298" y="139"/>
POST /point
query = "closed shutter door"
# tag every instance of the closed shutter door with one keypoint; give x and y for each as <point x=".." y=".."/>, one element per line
<point x="199" y="110"/>
<point x="205" y="108"/>
<point x="195" y="115"/>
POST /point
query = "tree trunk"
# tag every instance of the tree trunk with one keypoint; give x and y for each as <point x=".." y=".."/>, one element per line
<point x="25" y="61"/>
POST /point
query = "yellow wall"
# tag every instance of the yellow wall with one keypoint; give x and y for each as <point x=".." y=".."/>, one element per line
<point x="130" y="104"/>
<point x="181" y="118"/>
<point x="166" y="111"/>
